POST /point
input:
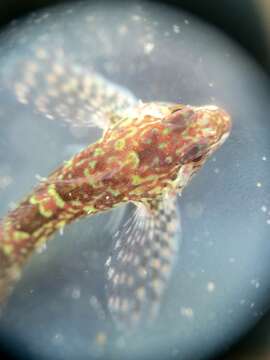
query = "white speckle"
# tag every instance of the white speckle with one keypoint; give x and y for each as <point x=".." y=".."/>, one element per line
<point x="76" y="293"/>
<point x="264" y="158"/>
<point x="268" y="221"/>
<point x="187" y="312"/>
<point x="211" y="84"/>
<point x="49" y="116"/>
<point x="40" y="178"/>
<point x="61" y="231"/>
<point x="186" y="21"/>
<point x="252" y="305"/>
<point x="232" y="260"/>
<point x="58" y="339"/>
<point x="255" y="283"/>
<point x="122" y="30"/>
<point x="41" y="248"/>
<point x="107" y="197"/>
<point x="110" y="272"/>
<point x="216" y="170"/>
<point x="264" y="208"/>
<point x="135" y="17"/>
<point x="259" y="184"/>
<point x="149" y="47"/>
<point x="90" y="18"/>
<point x="5" y="181"/>
<point x="176" y="29"/>
<point x="108" y="261"/>
<point x="211" y="286"/>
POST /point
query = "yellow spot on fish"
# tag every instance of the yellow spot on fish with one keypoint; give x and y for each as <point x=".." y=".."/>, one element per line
<point x="136" y="180"/>
<point x="113" y="192"/>
<point x="119" y="144"/>
<point x="162" y="145"/>
<point x="92" y="164"/>
<point x="89" y="209"/>
<point x="44" y="212"/>
<point x="20" y="235"/>
<point x="68" y="163"/>
<point x="33" y="200"/>
<point x="8" y="248"/>
<point x="166" y="131"/>
<point x="57" y="198"/>
<point x="61" y="224"/>
<point x="133" y="159"/>
<point x="98" y="152"/>
<point x="86" y="172"/>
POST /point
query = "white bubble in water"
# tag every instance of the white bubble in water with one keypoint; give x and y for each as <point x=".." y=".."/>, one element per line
<point x="76" y="293"/>
<point x="187" y="312"/>
<point x="176" y="29"/>
<point x="255" y="283"/>
<point x="58" y="339"/>
<point x="211" y="286"/>
<point x="148" y="47"/>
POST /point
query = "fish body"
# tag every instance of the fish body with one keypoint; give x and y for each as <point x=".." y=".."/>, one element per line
<point x="146" y="156"/>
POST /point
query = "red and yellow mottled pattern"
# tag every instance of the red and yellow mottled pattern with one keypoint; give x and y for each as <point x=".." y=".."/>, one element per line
<point x="154" y="150"/>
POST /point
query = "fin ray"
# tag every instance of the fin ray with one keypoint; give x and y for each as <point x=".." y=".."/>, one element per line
<point x="58" y="88"/>
<point x="141" y="263"/>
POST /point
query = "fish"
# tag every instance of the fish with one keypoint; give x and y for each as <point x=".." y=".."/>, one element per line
<point x="147" y="155"/>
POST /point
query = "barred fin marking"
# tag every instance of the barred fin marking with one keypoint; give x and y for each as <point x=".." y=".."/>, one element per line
<point x="60" y="89"/>
<point x="141" y="263"/>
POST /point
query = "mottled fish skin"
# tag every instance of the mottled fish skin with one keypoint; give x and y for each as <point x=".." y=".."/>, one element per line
<point x="147" y="155"/>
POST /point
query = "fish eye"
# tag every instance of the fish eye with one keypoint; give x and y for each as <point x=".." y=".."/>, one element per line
<point x="198" y="158"/>
<point x="195" y="153"/>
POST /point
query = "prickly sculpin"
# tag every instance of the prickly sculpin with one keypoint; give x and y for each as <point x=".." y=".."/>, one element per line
<point x="146" y="156"/>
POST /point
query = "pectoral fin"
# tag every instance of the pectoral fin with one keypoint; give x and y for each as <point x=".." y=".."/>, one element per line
<point x="58" y="88"/>
<point x="141" y="263"/>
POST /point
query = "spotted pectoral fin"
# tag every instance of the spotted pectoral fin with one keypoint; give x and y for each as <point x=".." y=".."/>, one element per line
<point x="141" y="262"/>
<point x="60" y="89"/>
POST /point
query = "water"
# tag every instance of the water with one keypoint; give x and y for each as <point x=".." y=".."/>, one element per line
<point x="220" y="283"/>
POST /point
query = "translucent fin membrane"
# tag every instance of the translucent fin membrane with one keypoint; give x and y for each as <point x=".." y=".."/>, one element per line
<point x="60" y="89"/>
<point x="141" y="262"/>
